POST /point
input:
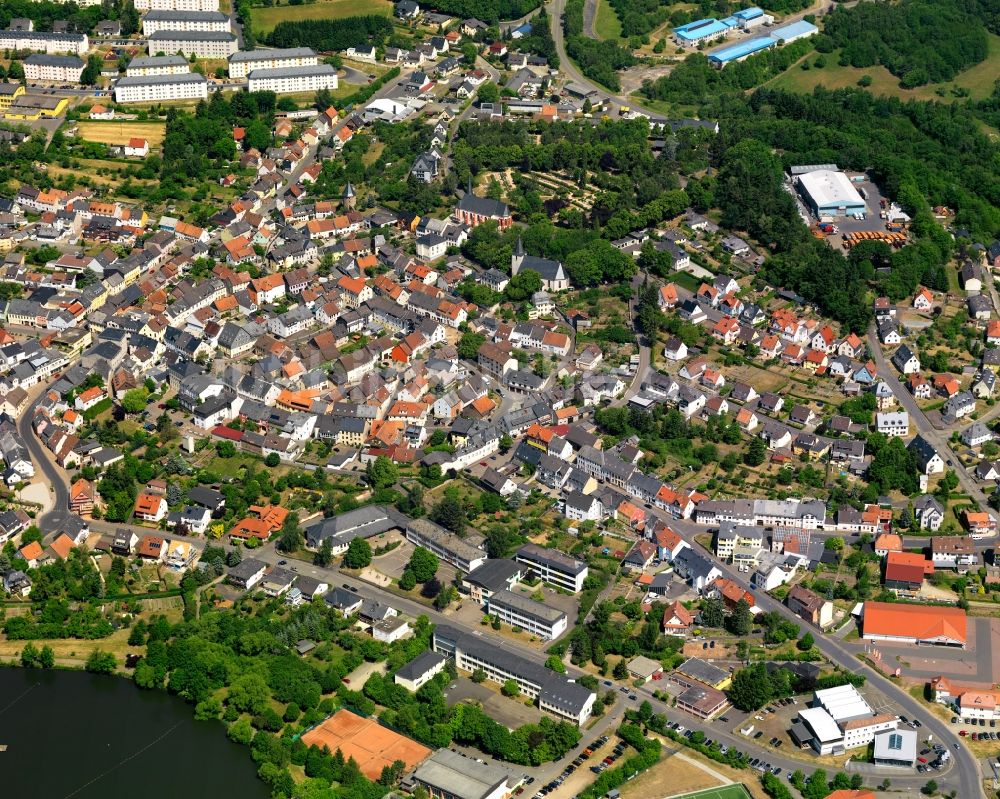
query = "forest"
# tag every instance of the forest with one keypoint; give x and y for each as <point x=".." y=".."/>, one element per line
<point x="324" y="35"/>
<point x="918" y="41"/>
<point x="81" y="19"/>
<point x="489" y="11"/>
<point x="599" y="61"/>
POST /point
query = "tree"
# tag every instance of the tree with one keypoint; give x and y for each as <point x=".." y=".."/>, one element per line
<point x="449" y="513"/>
<point x="488" y="93"/>
<point x="46" y="658"/>
<point x="751" y="688"/>
<point x="291" y="534"/>
<point x="510" y="688"/>
<point x="741" y="619"/>
<point x="423" y="564"/>
<point x="134" y="400"/>
<point x="506" y="442"/>
<point x="29" y="655"/>
<point x="381" y="473"/>
<point x="469" y="344"/>
<point x="324" y="557"/>
<point x="272" y="460"/>
<point x="225" y="449"/>
<point x="358" y="555"/>
<point x="930" y="788"/>
<point x="756" y="452"/>
<point x="478" y="676"/>
<point x="554" y="663"/>
<point x="92" y="71"/>
<point x="407" y="580"/>
<point x="620" y="671"/>
<point x="712" y="612"/>
<point x="806" y="642"/>
<point x="101" y="662"/>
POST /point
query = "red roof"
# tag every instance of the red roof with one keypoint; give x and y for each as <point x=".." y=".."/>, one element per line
<point x="227" y="433"/>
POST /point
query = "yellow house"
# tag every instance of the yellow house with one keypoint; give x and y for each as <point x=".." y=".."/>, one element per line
<point x="31" y="107"/>
<point x="9" y="92"/>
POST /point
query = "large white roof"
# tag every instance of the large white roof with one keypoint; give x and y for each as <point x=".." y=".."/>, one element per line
<point x="843" y="702"/>
<point x="821" y="723"/>
<point x="829" y="188"/>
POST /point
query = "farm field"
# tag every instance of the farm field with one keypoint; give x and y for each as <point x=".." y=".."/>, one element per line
<point x="116" y="132"/>
<point x="978" y="79"/>
<point x="265" y="19"/>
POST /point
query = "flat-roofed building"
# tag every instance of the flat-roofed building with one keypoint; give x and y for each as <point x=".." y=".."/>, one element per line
<point x="554" y="567"/>
<point x="291" y="80"/>
<point x="521" y="611"/>
<point x="158" y="20"/>
<point x="446" y="545"/>
<point x="830" y="193"/>
<point x="201" y="44"/>
<point x="44" y="68"/>
<point x="496" y="574"/>
<point x="244" y="62"/>
<point x="702" y="701"/>
<point x="157" y="88"/>
<point x="695" y="671"/>
<point x="451" y="775"/>
<point x="895" y="748"/>
<point x="142" y="66"/>
<point x="554" y="693"/>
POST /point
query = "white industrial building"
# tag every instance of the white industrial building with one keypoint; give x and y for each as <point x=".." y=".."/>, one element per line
<point x="176" y="5"/>
<point x="142" y="66"/>
<point x="896" y="748"/>
<point x="244" y="62"/>
<point x="45" y="42"/>
<point x="156" y="21"/>
<point x="289" y="80"/>
<point x="201" y="44"/>
<point x="840" y="720"/>
<point x="157" y="88"/>
<point x="828" y="191"/>
<point x="44" y="68"/>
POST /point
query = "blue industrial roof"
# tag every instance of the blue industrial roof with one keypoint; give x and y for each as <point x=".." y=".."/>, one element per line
<point x="700" y="29"/>
<point x="741" y="50"/>
<point x="795" y="30"/>
<point x="749" y="13"/>
<point x="730" y="22"/>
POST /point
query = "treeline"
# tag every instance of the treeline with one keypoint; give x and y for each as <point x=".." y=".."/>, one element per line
<point x="695" y="80"/>
<point x="599" y="61"/>
<point x="81" y="19"/>
<point x="918" y="41"/>
<point x="331" y="34"/>
<point x="639" y="17"/>
<point x="489" y="11"/>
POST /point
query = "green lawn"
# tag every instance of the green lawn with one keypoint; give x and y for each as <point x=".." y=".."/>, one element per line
<point x="735" y="791"/>
<point x="606" y="23"/>
<point x="978" y="79"/>
<point x="265" y="19"/>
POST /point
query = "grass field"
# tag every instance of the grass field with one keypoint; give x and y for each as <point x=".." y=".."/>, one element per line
<point x="121" y="132"/>
<point x="725" y="792"/>
<point x="606" y="22"/>
<point x="978" y="80"/>
<point x="265" y="19"/>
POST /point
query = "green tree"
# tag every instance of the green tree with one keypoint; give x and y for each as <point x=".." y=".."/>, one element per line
<point x="751" y="687"/>
<point x="712" y="613"/>
<point x="806" y="642"/>
<point x="46" y="658"/>
<point x="469" y="344"/>
<point x="756" y="452"/>
<point x="358" y="555"/>
<point x="510" y="688"/>
<point x="741" y="619"/>
<point x="101" y="662"/>
<point x="92" y="71"/>
<point x="450" y="513"/>
<point x="620" y="671"/>
<point x="291" y="534"/>
<point x="272" y="460"/>
<point x="930" y="788"/>
<point x="554" y="663"/>
<point x="134" y="400"/>
<point x="423" y="564"/>
<point x="324" y="557"/>
<point x="225" y="449"/>
<point x="407" y="580"/>
<point x="381" y="473"/>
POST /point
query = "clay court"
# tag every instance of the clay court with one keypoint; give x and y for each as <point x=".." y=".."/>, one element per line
<point x="368" y="742"/>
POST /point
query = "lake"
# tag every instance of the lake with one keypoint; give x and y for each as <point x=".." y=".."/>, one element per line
<point x="73" y="735"/>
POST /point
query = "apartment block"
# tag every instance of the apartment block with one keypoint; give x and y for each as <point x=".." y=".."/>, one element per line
<point x="244" y="62"/>
<point x="290" y="80"/>
<point x="156" y="88"/>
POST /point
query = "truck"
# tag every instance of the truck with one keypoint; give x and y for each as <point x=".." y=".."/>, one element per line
<point x="829" y="227"/>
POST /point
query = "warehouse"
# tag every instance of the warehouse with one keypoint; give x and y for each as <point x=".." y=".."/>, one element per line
<point x="794" y="31"/>
<point x="738" y="52"/>
<point x="201" y="44"/>
<point x="142" y="66"/>
<point x="156" y="88"/>
<point x="753" y="17"/>
<point x="156" y="21"/>
<point x="699" y="31"/>
<point x="244" y="62"/>
<point x="829" y="192"/>
<point x="43" y="68"/>
<point x="29" y="107"/>
<point x="290" y="80"/>
<point x="936" y="625"/>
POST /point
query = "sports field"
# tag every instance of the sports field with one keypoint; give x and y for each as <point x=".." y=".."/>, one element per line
<point x="265" y="19"/>
<point x="726" y="792"/>
<point x="368" y="742"/>
<point x="115" y="132"/>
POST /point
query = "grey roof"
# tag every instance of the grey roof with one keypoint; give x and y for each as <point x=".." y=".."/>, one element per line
<point x="270" y="55"/>
<point x="362" y="522"/>
<point x="246" y="569"/>
<point x="702" y="671"/>
<point x="186" y="16"/>
<point x="460" y="777"/>
<point x="292" y="72"/>
<point x="552" y="558"/>
<point x="420" y="665"/>
<point x="494" y="574"/>
<point x="527" y="606"/>
<point x="54" y="60"/>
<point x="148" y="80"/>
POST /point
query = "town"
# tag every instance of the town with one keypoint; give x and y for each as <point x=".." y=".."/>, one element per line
<point x="573" y="400"/>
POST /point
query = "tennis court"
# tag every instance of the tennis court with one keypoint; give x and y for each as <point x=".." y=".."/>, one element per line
<point x="726" y="792"/>
<point x="368" y="742"/>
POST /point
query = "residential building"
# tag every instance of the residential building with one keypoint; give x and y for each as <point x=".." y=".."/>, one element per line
<point x="173" y="21"/>
<point x="447" y="546"/>
<point x="525" y="613"/>
<point x="290" y="80"/>
<point x="420" y="670"/>
<point x="244" y="62"/>
<point x="554" y="567"/>
<point x="157" y="88"/>
<point x="202" y="44"/>
<point x="43" y="68"/>
<point x="810" y="606"/>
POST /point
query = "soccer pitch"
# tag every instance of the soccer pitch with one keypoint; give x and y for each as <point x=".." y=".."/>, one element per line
<point x="727" y="792"/>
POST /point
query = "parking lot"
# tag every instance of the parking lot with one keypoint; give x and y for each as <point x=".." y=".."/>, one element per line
<point x="509" y="712"/>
